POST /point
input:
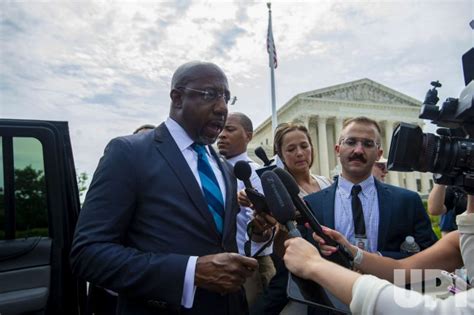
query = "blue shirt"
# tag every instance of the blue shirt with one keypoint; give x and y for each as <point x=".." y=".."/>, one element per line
<point x="343" y="220"/>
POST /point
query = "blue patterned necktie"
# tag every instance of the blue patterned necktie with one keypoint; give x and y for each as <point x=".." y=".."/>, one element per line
<point x="210" y="186"/>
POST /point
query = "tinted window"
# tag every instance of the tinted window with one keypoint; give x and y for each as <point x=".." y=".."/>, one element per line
<point x="2" y="199"/>
<point x="29" y="198"/>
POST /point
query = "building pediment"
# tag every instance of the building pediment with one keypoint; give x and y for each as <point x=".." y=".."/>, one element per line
<point x="365" y="90"/>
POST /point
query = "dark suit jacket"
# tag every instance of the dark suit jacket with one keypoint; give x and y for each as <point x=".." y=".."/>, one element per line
<point x="401" y="214"/>
<point x="143" y="216"/>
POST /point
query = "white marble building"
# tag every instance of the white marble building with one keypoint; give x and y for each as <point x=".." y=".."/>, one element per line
<point x="323" y="112"/>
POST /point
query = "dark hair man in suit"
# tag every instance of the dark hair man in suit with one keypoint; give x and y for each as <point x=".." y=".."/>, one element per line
<point x="158" y="223"/>
<point x="232" y="144"/>
<point x="369" y="213"/>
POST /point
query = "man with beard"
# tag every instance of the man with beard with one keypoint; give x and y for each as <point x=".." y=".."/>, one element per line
<point x="372" y="215"/>
<point x="158" y="224"/>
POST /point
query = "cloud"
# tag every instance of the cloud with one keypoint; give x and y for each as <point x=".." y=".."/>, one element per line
<point x="106" y="66"/>
<point x="226" y="40"/>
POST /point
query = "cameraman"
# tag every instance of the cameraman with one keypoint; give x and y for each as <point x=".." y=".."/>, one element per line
<point x="367" y="294"/>
<point x="448" y="202"/>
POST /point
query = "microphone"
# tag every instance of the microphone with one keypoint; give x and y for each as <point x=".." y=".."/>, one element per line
<point x="279" y="202"/>
<point x="260" y="152"/>
<point x="243" y="171"/>
<point x="283" y="210"/>
<point x="267" y="164"/>
<point x="342" y="257"/>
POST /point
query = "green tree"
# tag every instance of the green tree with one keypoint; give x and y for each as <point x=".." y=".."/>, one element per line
<point x="82" y="183"/>
<point x="30" y="199"/>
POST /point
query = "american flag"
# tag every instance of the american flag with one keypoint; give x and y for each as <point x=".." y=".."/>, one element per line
<point x="271" y="43"/>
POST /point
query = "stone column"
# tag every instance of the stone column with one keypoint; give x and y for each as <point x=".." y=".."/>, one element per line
<point x="411" y="181"/>
<point x="393" y="178"/>
<point x="313" y="131"/>
<point x="337" y="131"/>
<point x="304" y="120"/>
<point x="401" y="181"/>
<point x="388" y="136"/>
<point x="323" y="147"/>
<point x="425" y="182"/>
<point x="338" y="128"/>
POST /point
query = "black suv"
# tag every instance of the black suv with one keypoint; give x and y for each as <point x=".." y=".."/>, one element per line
<point x="39" y="206"/>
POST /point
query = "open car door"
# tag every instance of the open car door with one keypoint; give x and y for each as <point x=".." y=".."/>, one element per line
<point x="39" y="205"/>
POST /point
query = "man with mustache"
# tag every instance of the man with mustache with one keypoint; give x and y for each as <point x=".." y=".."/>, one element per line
<point x="158" y="224"/>
<point x="371" y="214"/>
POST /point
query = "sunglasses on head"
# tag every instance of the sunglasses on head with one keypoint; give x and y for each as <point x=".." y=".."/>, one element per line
<point x="381" y="166"/>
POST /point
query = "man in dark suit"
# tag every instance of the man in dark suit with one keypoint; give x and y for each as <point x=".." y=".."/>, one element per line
<point x="232" y="144"/>
<point x="374" y="215"/>
<point x="158" y="224"/>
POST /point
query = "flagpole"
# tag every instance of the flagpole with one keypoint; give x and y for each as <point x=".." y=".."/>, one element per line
<point x="271" y="57"/>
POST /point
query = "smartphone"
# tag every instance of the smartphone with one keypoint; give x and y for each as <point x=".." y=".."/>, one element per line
<point x="314" y="295"/>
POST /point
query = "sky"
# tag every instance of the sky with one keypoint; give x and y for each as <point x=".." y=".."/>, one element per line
<point x="105" y="66"/>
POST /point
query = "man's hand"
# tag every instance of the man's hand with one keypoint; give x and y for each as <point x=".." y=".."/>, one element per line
<point x="223" y="273"/>
<point x="262" y="227"/>
<point x="243" y="200"/>
<point x="265" y="222"/>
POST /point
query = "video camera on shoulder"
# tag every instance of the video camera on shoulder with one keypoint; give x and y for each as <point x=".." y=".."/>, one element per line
<point x="450" y="153"/>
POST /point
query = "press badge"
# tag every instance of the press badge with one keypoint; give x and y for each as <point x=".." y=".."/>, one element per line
<point x="361" y="241"/>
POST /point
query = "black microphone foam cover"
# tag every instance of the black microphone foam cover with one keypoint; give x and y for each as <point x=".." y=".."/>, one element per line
<point x="242" y="170"/>
<point x="288" y="181"/>
<point x="278" y="200"/>
<point x="260" y="152"/>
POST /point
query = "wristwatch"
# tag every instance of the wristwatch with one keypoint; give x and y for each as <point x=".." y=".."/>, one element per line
<point x="358" y="256"/>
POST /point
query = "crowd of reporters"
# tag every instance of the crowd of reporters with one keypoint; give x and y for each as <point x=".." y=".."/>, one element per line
<point x="356" y="220"/>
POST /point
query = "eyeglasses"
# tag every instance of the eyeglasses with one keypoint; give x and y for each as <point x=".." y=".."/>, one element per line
<point x="366" y="143"/>
<point x="211" y="94"/>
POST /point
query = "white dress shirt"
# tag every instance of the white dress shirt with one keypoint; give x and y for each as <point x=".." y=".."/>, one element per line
<point x="245" y="214"/>
<point x="184" y="142"/>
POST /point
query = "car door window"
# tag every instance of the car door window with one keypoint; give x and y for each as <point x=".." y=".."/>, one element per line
<point x="27" y="215"/>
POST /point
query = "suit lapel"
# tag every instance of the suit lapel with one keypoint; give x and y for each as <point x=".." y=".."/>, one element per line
<point x="171" y="153"/>
<point x="229" y="190"/>
<point x="328" y="205"/>
<point x="385" y="212"/>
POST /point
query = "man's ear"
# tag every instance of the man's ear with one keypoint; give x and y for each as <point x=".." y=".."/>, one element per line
<point x="337" y="147"/>
<point x="380" y="153"/>
<point x="249" y="136"/>
<point x="176" y="98"/>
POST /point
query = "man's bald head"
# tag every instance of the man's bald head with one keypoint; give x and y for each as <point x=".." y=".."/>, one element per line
<point x="190" y="71"/>
<point x="201" y="116"/>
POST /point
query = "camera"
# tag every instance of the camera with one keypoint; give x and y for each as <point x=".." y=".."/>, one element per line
<point x="450" y="153"/>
